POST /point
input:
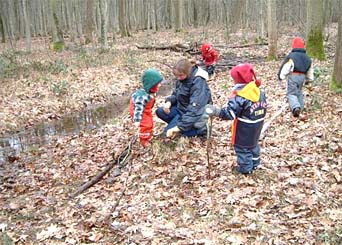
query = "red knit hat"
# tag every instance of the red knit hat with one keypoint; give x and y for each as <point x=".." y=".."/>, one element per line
<point x="298" y="43"/>
<point x="206" y="47"/>
<point x="244" y="73"/>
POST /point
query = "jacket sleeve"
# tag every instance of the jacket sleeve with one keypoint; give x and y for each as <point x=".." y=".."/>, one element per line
<point x="233" y="108"/>
<point x="285" y="69"/>
<point x="139" y="106"/>
<point x="199" y="98"/>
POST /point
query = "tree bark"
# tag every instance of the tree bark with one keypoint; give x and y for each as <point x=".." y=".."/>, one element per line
<point x="336" y="83"/>
<point x="272" y="29"/>
<point x="314" y="32"/>
<point x="2" y="30"/>
<point x="104" y="20"/>
<point x="27" y="26"/>
<point x="226" y="19"/>
<point x="122" y="18"/>
<point x="89" y="21"/>
<point x="179" y="15"/>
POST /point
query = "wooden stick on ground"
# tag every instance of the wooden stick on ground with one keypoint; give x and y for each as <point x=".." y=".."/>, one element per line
<point x="121" y="160"/>
<point x="268" y="124"/>
<point x="209" y="128"/>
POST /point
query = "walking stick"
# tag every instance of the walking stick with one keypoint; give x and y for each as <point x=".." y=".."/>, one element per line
<point x="209" y="130"/>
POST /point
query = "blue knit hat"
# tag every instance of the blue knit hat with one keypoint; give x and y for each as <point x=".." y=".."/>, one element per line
<point x="150" y="78"/>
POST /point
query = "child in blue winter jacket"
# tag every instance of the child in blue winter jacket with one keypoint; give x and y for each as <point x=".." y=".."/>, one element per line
<point x="247" y="107"/>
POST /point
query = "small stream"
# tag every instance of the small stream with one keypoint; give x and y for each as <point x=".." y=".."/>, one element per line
<point x="12" y="145"/>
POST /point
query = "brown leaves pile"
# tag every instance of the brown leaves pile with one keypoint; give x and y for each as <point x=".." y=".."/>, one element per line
<point x="295" y="197"/>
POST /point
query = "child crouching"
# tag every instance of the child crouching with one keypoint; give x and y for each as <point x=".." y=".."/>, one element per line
<point x="141" y="104"/>
<point x="247" y="107"/>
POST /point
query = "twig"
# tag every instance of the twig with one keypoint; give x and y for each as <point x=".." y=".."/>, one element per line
<point x="122" y="192"/>
<point x="210" y="124"/>
<point x="268" y="124"/>
<point x="121" y="160"/>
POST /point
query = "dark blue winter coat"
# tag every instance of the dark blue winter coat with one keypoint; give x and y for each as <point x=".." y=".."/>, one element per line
<point x="301" y="61"/>
<point x="191" y="96"/>
<point x="247" y="107"/>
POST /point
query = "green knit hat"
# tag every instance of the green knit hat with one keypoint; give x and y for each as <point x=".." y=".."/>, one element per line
<point x="150" y="78"/>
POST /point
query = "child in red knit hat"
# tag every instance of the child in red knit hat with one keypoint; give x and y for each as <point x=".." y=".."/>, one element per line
<point x="210" y="57"/>
<point x="247" y="107"/>
<point x="297" y="68"/>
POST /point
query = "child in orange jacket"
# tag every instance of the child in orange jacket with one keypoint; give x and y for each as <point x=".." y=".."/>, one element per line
<point x="210" y="57"/>
<point x="141" y="104"/>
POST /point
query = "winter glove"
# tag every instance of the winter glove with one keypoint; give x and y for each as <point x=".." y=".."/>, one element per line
<point x="166" y="107"/>
<point x="172" y="132"/>
<point x="212" y="110"/>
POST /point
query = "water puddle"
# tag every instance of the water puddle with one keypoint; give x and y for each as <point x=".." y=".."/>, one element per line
<point x="13" y="144"/>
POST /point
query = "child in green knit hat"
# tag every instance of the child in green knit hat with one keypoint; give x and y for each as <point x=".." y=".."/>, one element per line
<point x="142" y="102"/>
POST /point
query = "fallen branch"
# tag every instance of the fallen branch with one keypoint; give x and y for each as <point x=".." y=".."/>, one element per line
<point x="268" y="124"/>
<point x="174" y="47"/>
<point x="121" y="160"/>
<point x="241" y="46"/>
<point x="122" y="192"/>
<point x="178" y="47"/>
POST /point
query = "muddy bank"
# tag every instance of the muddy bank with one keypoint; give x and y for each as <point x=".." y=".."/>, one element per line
<point x="12" y="144"/>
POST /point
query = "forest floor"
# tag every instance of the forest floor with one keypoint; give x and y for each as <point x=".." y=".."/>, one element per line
<point x="163" y="196"/>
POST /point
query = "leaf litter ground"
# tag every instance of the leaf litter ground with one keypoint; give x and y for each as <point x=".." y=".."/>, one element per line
<point x="295" y="197"/>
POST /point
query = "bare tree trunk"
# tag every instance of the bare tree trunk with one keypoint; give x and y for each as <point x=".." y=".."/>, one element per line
<point x="89" y="21"/>
<point x="195" y="11"/>
<point x="336" y="83"/>
<point x="226" y="19"/>
<point x="43" y="19"/>
<point x="179" y="15"/>
<point x="314" y="32"/>
<point x="2" y="30"/>
<point x="104" y="20"/>
<point x="261" y="22"/>
<point x="27" y="27"/>
<point x="10" y="23"/>
<point x="57" y="34"/>
<point x="170" y="14"/>
<point x="272" y="29"/>
<point x="122" y="19"/>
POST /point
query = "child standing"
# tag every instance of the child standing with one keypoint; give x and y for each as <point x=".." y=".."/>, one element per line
<point x="210" y="57"/>
<point x="247" y="107"/>
<point x="141" y="104"/>
<point x="296" y="67"/>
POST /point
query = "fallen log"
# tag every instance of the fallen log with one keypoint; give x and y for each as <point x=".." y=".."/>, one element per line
<point x="268" y="124"/>
<point x="178" y="47"/>
<point x="122" y="159"/>
<point x="174" y="47"/>
<point x="242" y="45"/>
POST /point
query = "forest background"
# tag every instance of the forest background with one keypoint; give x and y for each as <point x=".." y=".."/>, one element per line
<point x="63" y="63"/>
